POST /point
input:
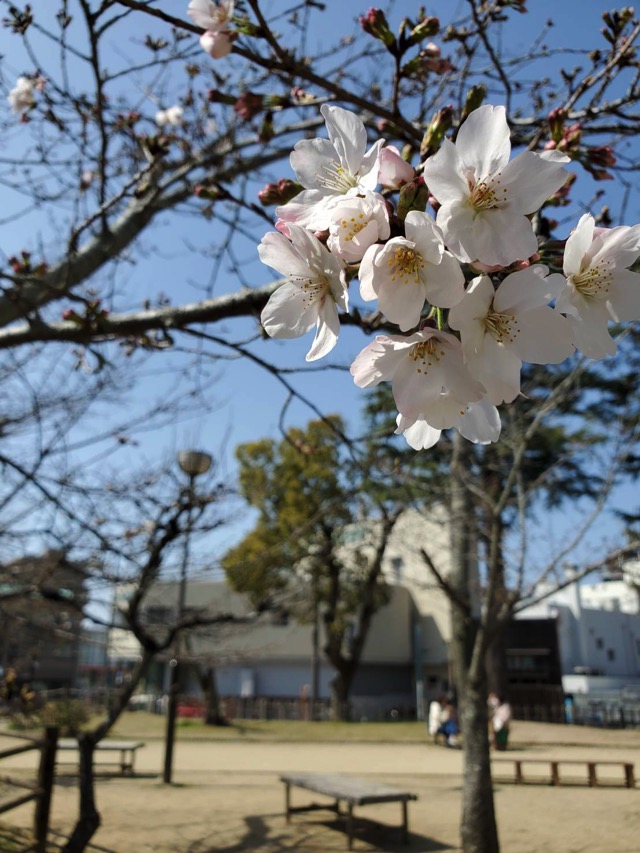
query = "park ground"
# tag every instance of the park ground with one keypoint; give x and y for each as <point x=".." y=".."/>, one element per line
<point x="226" y="796"/>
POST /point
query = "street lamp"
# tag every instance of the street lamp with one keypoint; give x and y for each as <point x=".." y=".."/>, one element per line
<point x="193" y="463"/>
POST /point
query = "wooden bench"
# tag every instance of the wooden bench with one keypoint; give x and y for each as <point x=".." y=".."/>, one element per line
<point x="353" y="790"/>
<point x="554" y="768"/>
<point x="126" y="748"/>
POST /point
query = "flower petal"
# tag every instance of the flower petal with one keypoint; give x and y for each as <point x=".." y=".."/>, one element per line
<point x="278" y="253"/>
<point x="309" y="160"/>
<point x="531" y="179"/>
<point x="590" y="332"/>
<point x="578" y="244"/>
<point x="288" y="314"/>
<point x="378" y="361"/>
<point x="327" y="331"/>
<point x="419" y="436"/>
<point x="366" y="273"/>
<point x="347" y="134"/>
<point x="502" y="237"/>
<point x="544" y="337"/>
<point x="480" y="423"/>
<point x="444" y="283"/>
<point x="484" y="141"/>
<point x="444" y="174"/>
<point x="624" y="296"/>
<point x="401" y="303"/>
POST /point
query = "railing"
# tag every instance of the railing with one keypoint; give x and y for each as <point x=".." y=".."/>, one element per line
<point x="42" y="790"/>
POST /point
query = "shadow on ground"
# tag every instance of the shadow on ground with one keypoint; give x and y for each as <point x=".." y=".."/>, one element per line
<point x="318" y="836"/>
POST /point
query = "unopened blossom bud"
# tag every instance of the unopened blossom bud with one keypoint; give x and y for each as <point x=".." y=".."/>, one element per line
<point x="570" y="139"/>
<point x="375" y="24"/>
<point x="217" y="43"/>
<point x="279" y="193"/>
<point x="248" y="105"/>
<point x="265" y="134"/>
<point x="474" y="99"/>
<point x="394" y="171"/>
<point x="205" y="192"/>
<point x="436" y="129"/>
<point x="427" y="27"/>
<point x="556" y="119"/>
<point x="413" y="196"/>
<point x="601" y="155"/>
<point x="300" y="96"/>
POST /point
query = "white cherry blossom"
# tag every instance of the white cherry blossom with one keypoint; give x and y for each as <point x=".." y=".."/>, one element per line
<point x="210" y="15"/>
<point x="331" y="168"/>
<point x="171" y="116"/>
<point x="217" y="41"/>
<point x="599" y="285"/>
<point x="408" y="271"/>
<point x="356" y="224"/>
<point x="479" y="424"/>
<point x="313" y="294"/>
<point x="502" y="328"/>
<point x="428" y="376"/>
<point x="484" y="197"/>
<point x="21" y="98"/>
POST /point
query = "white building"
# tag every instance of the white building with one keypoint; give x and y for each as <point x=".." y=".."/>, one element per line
<point x="598" y="632"/>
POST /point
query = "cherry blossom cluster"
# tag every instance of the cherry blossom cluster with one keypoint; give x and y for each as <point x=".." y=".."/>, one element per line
<point x="214" y="18"/>
<point x="22" y="98"/>
<point x="461" y="345"/>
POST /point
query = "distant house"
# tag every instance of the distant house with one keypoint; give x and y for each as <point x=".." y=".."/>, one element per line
<point x="405" y="660"/>
<point x="40" y="620"/>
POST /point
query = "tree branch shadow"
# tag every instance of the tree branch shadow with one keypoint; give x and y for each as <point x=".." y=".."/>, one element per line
<point x="318" y="836"/>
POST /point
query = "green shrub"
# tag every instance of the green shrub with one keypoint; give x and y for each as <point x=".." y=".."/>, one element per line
<point x="69" y="715"/>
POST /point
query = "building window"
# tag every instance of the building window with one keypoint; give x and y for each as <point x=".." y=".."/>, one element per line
<point x="599" y="643"/>
<point x="611" y="654"/>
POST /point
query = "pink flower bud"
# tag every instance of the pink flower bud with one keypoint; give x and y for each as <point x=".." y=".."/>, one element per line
<point x="248" y="105"/>
<point x="217" y="44"/>
<point x="393" y="170"/>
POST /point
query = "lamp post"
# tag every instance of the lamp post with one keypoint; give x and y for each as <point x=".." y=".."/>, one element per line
<point x="193" y="463"/>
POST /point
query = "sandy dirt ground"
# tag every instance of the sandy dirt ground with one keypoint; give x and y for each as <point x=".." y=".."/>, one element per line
<point x="226" y="797"/>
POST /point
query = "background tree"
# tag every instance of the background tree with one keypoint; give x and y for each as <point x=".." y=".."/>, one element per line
<point x="310" y="495"/>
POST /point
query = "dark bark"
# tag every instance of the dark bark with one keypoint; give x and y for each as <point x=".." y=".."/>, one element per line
<point x="346" y="664"/>
<point x="479" y="833"/>
<point x="213" y="713"/>
<point x="497" y="671"/>
<point x="88" y="818"/>
<point x="478" y="828"/>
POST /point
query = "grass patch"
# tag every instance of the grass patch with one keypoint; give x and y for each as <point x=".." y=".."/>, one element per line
<point x="142" y="725"/>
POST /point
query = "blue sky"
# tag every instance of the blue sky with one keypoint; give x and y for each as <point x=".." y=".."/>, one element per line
<point x="245" y="401"/>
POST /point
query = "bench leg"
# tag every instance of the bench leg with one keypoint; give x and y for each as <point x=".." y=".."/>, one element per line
<point x="519" y="776"/>
<point x="287" y="801"/>
<point x="628" y="776"/>
<point x="405" y="822"/>
<point x="349" y="826"/>
<point x="593" y="779"/>
<point x="555" y="773"/>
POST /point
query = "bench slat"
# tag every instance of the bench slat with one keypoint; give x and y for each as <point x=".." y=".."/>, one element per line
<point x="351" y="789"/>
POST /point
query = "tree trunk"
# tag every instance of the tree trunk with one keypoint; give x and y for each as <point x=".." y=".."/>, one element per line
<point x="478" y="828"/>
<point x="497" y="672"/>
<point x="479" y="833"/>
<point x="213" y="714"/>
<point x="340" y="690"/>
<point x="88" y="817"/>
